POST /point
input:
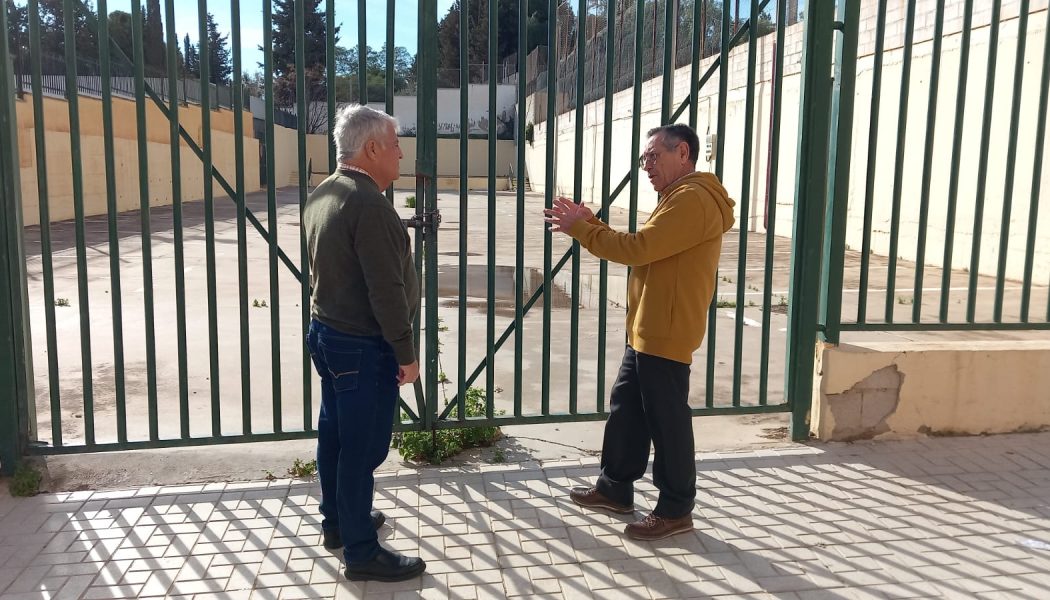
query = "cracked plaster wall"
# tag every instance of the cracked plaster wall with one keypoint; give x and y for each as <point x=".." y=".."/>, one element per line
<point x="866" y="391"/>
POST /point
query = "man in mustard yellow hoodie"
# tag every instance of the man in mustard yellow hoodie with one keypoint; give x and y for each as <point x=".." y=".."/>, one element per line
<point x="674" y="258"/>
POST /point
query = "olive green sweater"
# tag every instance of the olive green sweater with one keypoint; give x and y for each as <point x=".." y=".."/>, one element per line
<point x="361" y="268"/>
<point x="675" y="257"/>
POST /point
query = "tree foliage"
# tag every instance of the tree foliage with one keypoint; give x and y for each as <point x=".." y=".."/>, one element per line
<point x="314" y="56"/>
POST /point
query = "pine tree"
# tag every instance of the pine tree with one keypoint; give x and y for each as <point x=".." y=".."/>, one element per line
<point x="220" y="67"/>
<point x="314" y="56"/>
<point x="153" y="38"/>
<point x="190" y="58"/>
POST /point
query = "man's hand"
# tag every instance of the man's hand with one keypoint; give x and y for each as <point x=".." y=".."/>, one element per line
<point x="566" y="213"/>
<point x="408" y="373"/>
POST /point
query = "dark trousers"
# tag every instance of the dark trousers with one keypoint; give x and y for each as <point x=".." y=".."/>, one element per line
<point x="649" y="403"/>
<point x="359" y="393"/>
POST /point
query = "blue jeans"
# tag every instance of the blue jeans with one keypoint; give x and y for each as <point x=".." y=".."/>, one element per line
<point x="359" y="393"/>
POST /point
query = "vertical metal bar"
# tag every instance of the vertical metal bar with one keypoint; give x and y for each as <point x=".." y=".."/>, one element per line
<point x="1037" y="179"/>
<point x="15" y="360"/>
<point x="548" y="196"/>
<point x="242" y="227"/>
<point x="834" y="254"/>
<point x="111" y="211"/>
<point x="390" y="57"/>
<point x="144" y="218"/>
<point x="304" y="181"/>
<point x="636" y="112"/>
<point x="39" y="132"/>
<point x="670" y="55"/>
<point x="490" y="345"/>
<point x="745" y="201"/>
<point x="519" y="234"/>
<point x="426" y="172"/>
<point x="271" y="220"/>
<point x="873" y="144"/>
<point x="362" y="53"/>
<point x="771" y="200"/>
<point x="329" y="35"/>
<point x="603" y="267"/>
<point x="78" y="210"/>
<point x="720" y="151"/>
<point x="810" y="187"/>
<point x="464" y="213"/>
<point x="577" y="193"/>
<point x="898" y="171"/>
<point x="953" y="177"/>
<point x="982" y="168"/>
<point x="694" y="71"/>
<point x="1011" y="160"/>
<point x="209" y="217"/>
<point x="176" y="203"/>
<point x="927" y="162"/>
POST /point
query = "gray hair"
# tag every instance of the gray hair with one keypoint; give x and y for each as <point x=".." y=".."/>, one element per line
<point x="355" y="125"/>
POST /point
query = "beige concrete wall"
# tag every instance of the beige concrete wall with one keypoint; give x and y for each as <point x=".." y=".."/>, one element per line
<point x="448" y="157"/>
<point x="125" y="145"/>
<point x="866" y="391"/>
<point x="756" y="189"/>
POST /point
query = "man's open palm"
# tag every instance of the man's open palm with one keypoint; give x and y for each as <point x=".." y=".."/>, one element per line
<point x="565" y="213"/>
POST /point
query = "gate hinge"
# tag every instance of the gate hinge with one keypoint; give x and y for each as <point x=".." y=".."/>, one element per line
<point x="428" y="221"/>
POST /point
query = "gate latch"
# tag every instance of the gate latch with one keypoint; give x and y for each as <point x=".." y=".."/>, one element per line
<point x="428" y="221"/>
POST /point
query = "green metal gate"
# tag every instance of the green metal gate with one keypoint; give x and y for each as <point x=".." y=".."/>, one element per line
<point x="246" y="323"/>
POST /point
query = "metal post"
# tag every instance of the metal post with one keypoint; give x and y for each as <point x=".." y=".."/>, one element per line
<point x="810" y="190"/>
<point x="15" y="366"/>
<point x="426" y="173"/>
<point x="839" y="171"/>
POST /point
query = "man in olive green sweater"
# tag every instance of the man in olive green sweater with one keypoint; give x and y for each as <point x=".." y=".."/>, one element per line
<point x="365" y="297"/>
<point x="674" y="258"/>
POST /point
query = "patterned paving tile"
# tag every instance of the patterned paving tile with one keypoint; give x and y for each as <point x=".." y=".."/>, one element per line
<point x="942" y="518"/>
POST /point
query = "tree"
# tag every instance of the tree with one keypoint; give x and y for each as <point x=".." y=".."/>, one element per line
<point x="253" y="83"/>
<point x="314" y="56"/>
<point x="18" y="39"/>
<point x="52" y="32"/>
<point x="153" y="38"/>
<point x="346" y="82"/>
<point x="190" y="58"/>
<point x="506" y="35"/>
<point x="120" y="34"/>
<point x="220" y="67"/>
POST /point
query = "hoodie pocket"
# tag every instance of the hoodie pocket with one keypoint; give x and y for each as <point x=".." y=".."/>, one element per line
<point x="657" y="306"/>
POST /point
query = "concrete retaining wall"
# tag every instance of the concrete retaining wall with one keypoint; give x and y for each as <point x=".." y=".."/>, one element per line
<point x="903" y="389"/>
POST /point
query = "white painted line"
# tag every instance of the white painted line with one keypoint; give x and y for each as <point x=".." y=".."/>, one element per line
<point x="747" y="321"/>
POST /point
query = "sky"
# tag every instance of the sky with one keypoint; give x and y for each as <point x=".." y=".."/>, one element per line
<point x="405" y="18"/>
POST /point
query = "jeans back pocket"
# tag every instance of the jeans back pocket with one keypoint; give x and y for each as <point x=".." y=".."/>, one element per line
<point x="344" y="366"/>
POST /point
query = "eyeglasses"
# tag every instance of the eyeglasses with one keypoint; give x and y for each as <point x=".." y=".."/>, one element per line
<point x="647" y="158"/>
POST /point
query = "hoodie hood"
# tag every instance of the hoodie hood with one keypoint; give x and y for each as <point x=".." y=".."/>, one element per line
<point x="709" y="187"/>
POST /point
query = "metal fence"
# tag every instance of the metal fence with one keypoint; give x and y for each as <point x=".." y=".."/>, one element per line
<point x="121" y="82"/>
<point x="214" y="332"/>
<point x="984" y="215"/>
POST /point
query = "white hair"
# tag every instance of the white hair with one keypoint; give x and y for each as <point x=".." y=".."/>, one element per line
<point x="355" y="125"/>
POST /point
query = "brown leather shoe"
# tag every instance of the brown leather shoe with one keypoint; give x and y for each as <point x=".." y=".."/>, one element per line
<point x="653" y="527"/>
<point x="592" y="498"/>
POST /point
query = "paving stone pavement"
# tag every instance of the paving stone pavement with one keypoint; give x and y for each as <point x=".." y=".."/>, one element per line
<point x="929" y="518"/>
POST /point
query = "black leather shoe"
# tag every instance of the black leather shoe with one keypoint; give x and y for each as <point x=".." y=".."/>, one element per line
<point x="387" y="566"/>
<point x="332" y="539"/>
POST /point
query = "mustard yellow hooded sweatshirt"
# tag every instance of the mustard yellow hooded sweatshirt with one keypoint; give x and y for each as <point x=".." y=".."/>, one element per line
<point x="675" y="257"/>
